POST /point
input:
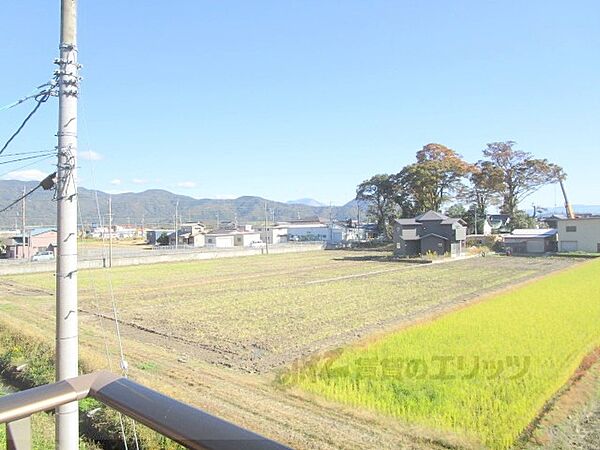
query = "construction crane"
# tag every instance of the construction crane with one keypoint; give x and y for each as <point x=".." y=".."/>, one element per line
<point x="568" y="207"/>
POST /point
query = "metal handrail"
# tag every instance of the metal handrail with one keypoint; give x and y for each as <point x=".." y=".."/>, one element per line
<point x="178" y="421"/>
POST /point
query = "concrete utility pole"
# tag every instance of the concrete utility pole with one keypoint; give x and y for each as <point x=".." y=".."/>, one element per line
<point x="67" y="416"/>
<point x="110" y="232"/>
<point x="266" y="228"/>
<point x="23" y="222"/>
<point x="176" y="230"/>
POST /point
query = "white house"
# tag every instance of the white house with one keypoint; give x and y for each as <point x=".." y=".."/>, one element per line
<point x="240" y="237"/>
<point x="577" y="235"/>
<point x="273" y="234"/>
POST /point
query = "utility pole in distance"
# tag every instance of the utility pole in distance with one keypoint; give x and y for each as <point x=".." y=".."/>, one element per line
<point x="67" y="345"/>
<point x="110" y="232"/>
<point x="176" y="230"/>
<point x="23" y="222"/>
<point x="266" y="232"/>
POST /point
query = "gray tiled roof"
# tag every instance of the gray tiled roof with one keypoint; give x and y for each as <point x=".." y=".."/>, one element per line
<point x="431" y="215"/>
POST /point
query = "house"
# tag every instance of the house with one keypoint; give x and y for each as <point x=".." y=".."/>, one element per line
<point x="36" y="240"/>
<point x="430" y="232"/>
<point x="152" y="236"/>
<point x="531" y="241"/>
<point x="243" y="236"/>
<point x="190" y="234"/>
<point x="273" y="234"/>
<point x="577" y="235"/>
<point x="496" y="224"/>
<point x="315" y="229"/>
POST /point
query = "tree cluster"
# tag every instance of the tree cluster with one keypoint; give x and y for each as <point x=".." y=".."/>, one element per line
<point x="504" y="177"/>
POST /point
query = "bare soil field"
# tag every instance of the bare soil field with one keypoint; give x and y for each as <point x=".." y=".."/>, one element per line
<point x="216" y="333"/>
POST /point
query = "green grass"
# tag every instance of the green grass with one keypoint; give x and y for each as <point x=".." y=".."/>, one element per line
<point x="545" y="328"/>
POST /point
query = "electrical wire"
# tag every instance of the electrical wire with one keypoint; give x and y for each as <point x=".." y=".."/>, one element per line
<point x="8" y="155"/>
<point x="40" y="99"/>
<point x="27" y="97"/>
<point x="123" y="363"/>
<point x="24" y="166"/>
<point x="47" y="183"/>
<point x="26" y="158"/>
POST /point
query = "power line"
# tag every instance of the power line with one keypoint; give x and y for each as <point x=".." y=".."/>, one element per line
<point x="47" y="183"/>
<point x="8" y="155"/>
<point x="40" y="98"/>
<point x="27" y="97"/>
<point x="25" y="158"/>
<point x="26" y="165"/>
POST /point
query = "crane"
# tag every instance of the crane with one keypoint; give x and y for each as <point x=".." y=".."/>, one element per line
<point x="568" y="207"/>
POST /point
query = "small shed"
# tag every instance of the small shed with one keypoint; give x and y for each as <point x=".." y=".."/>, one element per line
<point x="532" y="241"/>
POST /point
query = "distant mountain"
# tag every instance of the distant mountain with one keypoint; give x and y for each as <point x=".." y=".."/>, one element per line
<point x="578" y="209"/>
<point x="306" y="201"/>
<point x="154" y="207"/>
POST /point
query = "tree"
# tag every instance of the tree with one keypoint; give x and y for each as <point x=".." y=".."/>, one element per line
<point x="434" y="178"/>
<point x="521" y="174"/>
<point x="381" y="193"/>
<point x="521" y="219"/>
<point x="163" y="239"/>
<point x="457" y="211"/>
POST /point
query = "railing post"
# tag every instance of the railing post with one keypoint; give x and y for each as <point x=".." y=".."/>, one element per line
<point x="18" y="434"/>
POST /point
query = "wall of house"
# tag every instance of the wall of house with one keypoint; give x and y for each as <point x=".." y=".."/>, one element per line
<point x="586" y="238"/>
<point x="220" y="241"/>
<point x="33" y="245"/>
<point x="434" y="244"/>
<point x="245" y="240"/>
<point x="437" y="228"/>
<point x="310" y="233"/>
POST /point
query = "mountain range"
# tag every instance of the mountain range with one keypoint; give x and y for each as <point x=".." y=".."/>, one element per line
<point x="157" y="207"/>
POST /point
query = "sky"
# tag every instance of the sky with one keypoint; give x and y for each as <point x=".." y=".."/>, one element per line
<point x="287" y="99"/>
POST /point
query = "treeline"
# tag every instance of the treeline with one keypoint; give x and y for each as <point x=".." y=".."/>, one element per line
<point x="504" y="177"/>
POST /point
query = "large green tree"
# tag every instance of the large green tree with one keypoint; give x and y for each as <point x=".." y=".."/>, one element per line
<point x="435" y="178"/>
<point x="382" y="195"/>
<point x="521" y="173"/>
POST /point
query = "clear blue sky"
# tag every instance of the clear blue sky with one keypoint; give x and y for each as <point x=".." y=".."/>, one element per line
<point x="288" y="99"/>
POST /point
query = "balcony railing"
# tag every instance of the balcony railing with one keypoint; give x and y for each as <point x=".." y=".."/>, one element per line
<point x="182" y="423"/>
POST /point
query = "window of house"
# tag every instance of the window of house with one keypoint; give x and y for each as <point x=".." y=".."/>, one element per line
<point x="571" y="228"/>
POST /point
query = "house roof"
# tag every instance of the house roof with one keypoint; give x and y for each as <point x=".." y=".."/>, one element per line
<point x="431" y="215"/>
<point x="532" y="233"/>
<point x="35" y="232"/>
<point x="434" y="235"/>
<point x="453" y="220"/>
<point x="406" y="222"/>
<point x="227" y="232"/>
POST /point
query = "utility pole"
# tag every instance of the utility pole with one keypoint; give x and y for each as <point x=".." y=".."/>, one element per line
<point x="176" y="230"/>
<point x="67" y="416"/>
<point x="23" y="221"/>
<point x="266" y="228"/>
<point x="110" y="232"/>
<point x="330" y="223"/>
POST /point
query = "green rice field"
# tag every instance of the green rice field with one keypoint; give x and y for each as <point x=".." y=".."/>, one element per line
<point x="484" y="371"/>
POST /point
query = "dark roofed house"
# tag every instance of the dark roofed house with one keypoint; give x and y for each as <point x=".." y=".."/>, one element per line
<point x="430" y="232"/>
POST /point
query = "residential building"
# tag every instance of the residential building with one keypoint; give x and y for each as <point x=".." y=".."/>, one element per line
<point x="190" y="234"/>
<point x="36" y="240"/>
<point x="243" y="236"/>
<point x="577" y="235"/>
<point x="153" y="235"/>
<point x="496" y="224"/>
<point x="430" y="232"/>
<point x="273" y="234"/>
<point x="531" y="241"/>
